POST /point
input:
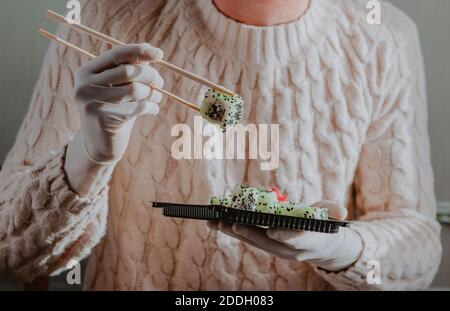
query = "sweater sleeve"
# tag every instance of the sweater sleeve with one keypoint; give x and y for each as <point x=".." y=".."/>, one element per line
<point x="43" y="223"/>
<point x="394" y="186"/>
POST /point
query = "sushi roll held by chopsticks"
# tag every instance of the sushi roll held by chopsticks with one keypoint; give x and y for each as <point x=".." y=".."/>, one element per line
<point x="224" y="110"/>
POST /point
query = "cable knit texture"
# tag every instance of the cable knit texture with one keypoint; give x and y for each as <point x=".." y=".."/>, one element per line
<point x="350" y="99"/>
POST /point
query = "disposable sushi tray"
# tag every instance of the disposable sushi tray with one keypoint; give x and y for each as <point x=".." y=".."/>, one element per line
<point x="251" y="218"/>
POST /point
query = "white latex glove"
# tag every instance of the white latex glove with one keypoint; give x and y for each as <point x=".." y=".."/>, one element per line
<point x="332" y="252"/>
<point x="111" y="91"/>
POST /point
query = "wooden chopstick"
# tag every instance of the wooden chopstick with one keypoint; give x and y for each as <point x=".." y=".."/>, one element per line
<point x="61" y="19"/>
<point x="55" y="38"/>
<point x="51" y="36"/>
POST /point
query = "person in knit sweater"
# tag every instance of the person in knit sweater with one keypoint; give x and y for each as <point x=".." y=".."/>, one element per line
<point x="350" y="99"/>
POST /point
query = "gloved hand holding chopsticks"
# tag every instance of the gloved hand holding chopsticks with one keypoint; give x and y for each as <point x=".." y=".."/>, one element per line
<point x="111" y="91"/>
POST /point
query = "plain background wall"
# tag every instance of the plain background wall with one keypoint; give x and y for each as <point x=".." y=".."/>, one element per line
<point x="22" y="51"/>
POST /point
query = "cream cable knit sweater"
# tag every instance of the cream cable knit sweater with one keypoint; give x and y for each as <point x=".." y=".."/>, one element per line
<point x="351" y="101"/>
